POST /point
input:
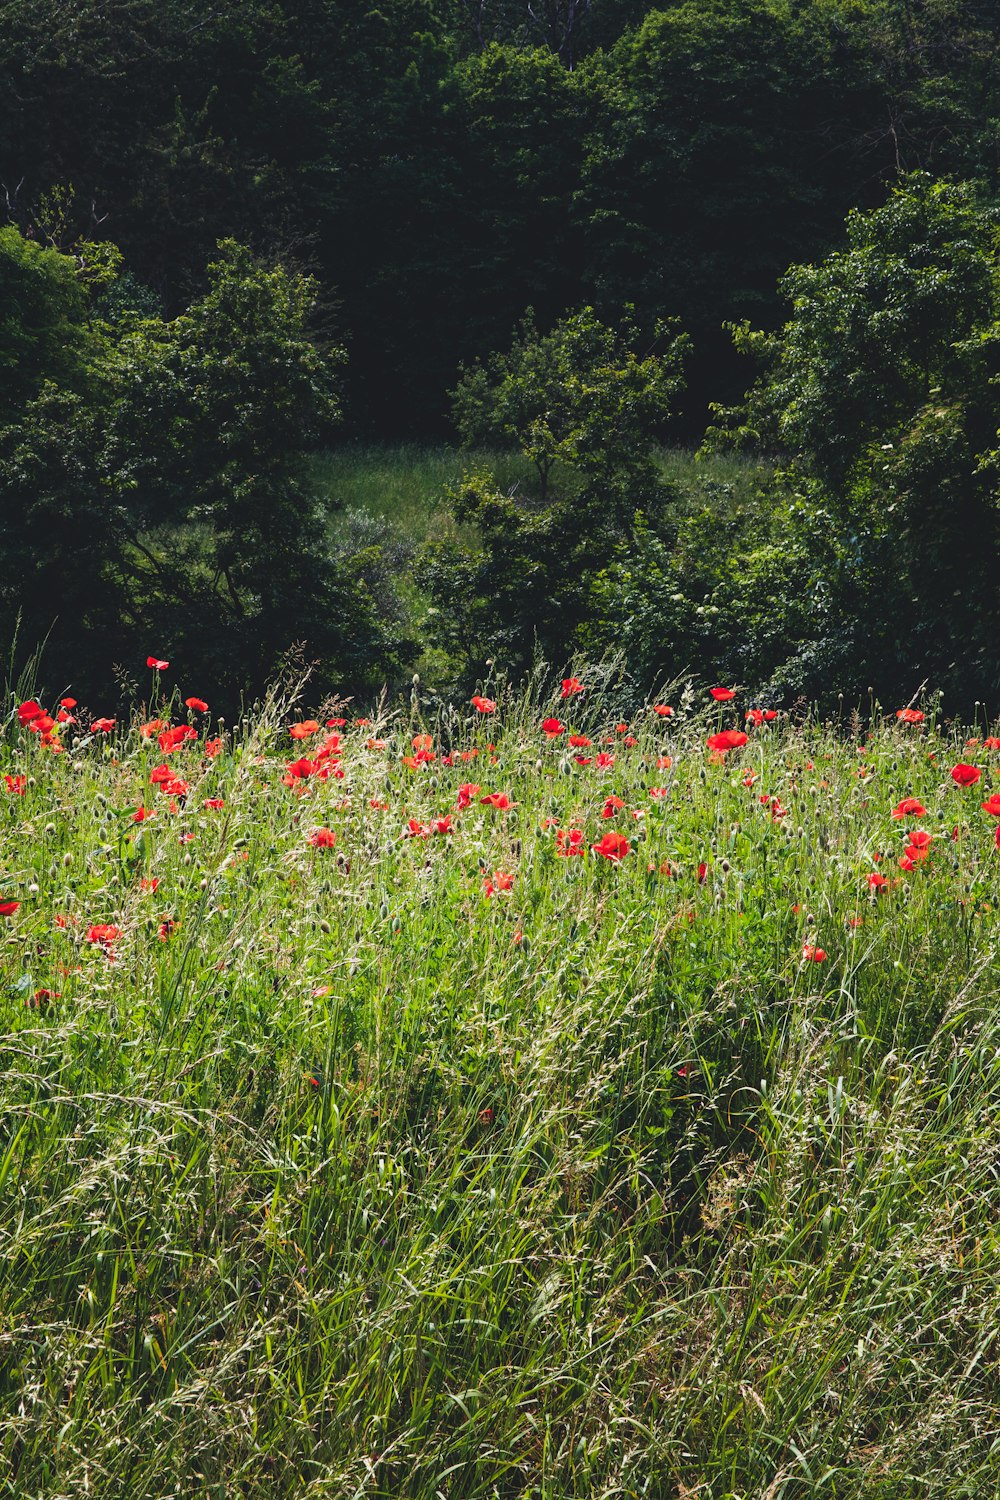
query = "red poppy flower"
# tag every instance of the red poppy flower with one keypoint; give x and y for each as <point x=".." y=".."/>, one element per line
<point x="213" y="804"/>
<point x="613" y="846"/>
<point x="552" y="728"/>
<point x="466" y="792"/>
<point x="484" y="705"/>
<point x="196" y="705"/>
<point x="16" y="784"/>
<point x="729" y="739"/>
<point x="965" y="775"/>
<point x="322" y="838"/>
<point x="336" y="723"/>
<point x="156" y="664"/>
<point x="141" y="814"/>
<point x="8" y="908"/>
<point x="760" y="716"/>
<point x="27" y="711"/>
<point x="657" y="793"/>
<point x="909" y="807"/>
<point x="605" y="761"/>
<point x="497" y="799"/>
<point x="570" y="841"/>
<point x="166" y="929"/>
<point x="304" y="729"/>
<point x="917" y="849"/>
<point x="992" y="805"/>
<point x="441" y="825"/>
<point x="579" y="741"/>
<point x="212" y="748"/>
<point x="876" y="881"/>
<point x="663" y="709"/>
<point x="67" y="703"/>
<point x="172" y="739"/>
<point x="992" y="742"/>
<point x="722" y="695"/>
<point x="702" y="872"/>
<point x="500" y="881"/>
<point x="298" y="771"/>
<point x="571" y="686"/>
<point x="102" y="726"/>
<point x="814" y="954"/>
<point x="909" y="715"/>
<point x="664" y="762"/>
<point x="104" y="934"/>
<point x="611" y="806"/>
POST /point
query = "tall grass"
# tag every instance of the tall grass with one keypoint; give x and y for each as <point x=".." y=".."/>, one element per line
<point x="407" y="484"/>
<point x="335" y="1175"/>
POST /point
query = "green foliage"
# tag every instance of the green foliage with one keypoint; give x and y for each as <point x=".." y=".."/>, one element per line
<point x="43" y="322"/>
<point x="731" y="588"/>
<point x="580" y="402"/>
<point x="177" y="495"/>
<point x="579" y="397"/>
<point x="443" y="164"/>
<point x="883" y="388"/>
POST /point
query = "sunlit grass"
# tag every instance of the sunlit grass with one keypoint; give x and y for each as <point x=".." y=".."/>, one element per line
<point x="335" y="1175"/>
<point x="407" y="484"/>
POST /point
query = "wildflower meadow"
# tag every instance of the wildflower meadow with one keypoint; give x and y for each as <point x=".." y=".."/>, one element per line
<point x="527" y="1098"/>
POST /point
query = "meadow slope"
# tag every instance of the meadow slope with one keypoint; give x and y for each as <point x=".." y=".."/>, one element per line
<point x="507" y="1101"/>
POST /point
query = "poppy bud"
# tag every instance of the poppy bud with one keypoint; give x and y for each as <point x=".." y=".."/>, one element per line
<point x="67" y="859"/>
<point x="50" y="828"/>
<point x="324" y="926"/>
<point x="383" y="911"/>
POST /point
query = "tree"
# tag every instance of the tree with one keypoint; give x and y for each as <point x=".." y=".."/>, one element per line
<point x="172" y="503"/>
<point x="43" y="322"/>
<point x="585" y="406"/>
<point x="883" y="389"/>
<point x="581" y="399"/>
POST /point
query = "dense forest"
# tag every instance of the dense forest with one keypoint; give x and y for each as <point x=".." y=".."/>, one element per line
<point x="570" y="231"/>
